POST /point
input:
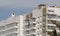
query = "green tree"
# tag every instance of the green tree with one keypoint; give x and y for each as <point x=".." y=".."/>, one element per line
<point x="54" y="32"/>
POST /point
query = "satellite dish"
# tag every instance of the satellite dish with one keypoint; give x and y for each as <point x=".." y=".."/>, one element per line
<point x="13" y="14"/>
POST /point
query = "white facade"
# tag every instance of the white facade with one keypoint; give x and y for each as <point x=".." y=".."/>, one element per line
<point x="32" y="24"/>
<point x="12" y="26"/>
<point x="52" y="15"/>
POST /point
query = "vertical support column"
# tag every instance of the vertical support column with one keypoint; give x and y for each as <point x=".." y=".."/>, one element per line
<point x="21" y="25"/>
<point x="44" y="21"/>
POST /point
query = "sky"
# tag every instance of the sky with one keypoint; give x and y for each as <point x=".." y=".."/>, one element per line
<point x="21" y="6"/>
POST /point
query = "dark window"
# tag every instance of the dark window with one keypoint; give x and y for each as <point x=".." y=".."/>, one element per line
<point x="51" y="10"/>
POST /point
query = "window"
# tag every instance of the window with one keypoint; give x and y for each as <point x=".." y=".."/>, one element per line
<point x="38" y="33"/>
<point x="38" y="22"/>
<point x="26" y="32"/>
<point x="34" y="19"/>
<point x="50" y="10"/>
<point x="11" y="30"/>
<point x="51" y="15"/>
<point x="51" y="27"/>
<point x="38" y="17"/>
<point x="49" y="22"/>
<point x="48" y="27"/>
<point x="32" y="35"/>
<point x="34" y="24"/>
<point x="40" y="26"/>
<point x="32" y="30"/>
<point x="2" y="27"/>
<point x="12" y="34"/>
<point x="26" y="26"/>
<point x="58" y="16"/>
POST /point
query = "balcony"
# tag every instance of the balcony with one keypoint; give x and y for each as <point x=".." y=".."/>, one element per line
<point x="26" y="35"/>
<point x="26" y="32"/>
<point x="50" y="12"/>
<point x="51" y="17"/>
<point x="50" y="28"/>
<point x="14" y="24"/>
<point x="12" y="34"/>
<point x="32" y="31"/>
<point x="52" y="22"/>
<point x="33" y="28"/>
<point x="51" y="25"/>
<point x="30" y="26"/>
<point x="26" y="27"/>
<point x="13" y="30"/>
<point x="33" y="25"/>
<point x="32" y="35"/>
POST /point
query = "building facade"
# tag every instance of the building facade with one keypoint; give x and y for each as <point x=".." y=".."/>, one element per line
<point x="40" y="22"/>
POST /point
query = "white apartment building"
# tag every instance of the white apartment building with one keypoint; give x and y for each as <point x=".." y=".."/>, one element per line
<point x="40" y="22"/>
<point x="23" y="25"/>
<point x="53" y="19"/>
<point x="49" y="18"/>
<point x="11" y="26"/>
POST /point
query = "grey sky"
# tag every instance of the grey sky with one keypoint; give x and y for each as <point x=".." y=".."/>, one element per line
<point x="21" y="6"/>
<point x="27" y="3"/>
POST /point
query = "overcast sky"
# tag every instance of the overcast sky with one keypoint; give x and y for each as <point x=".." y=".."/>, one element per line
<point x="21" y="6"/>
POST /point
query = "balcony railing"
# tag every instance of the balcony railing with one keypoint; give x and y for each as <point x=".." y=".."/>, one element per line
<point x="29" y="26"/>
<point x="32" y="30"/>
<point x="51" y="25"/>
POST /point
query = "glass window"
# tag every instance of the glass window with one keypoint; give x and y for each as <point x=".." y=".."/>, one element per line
<point x="51" y="15"/>
<point x="32" y="30"/>
<point x="34" y="19"/>
<point x="2" y="27"/>
<point x="51" y="27"/>
<point x="12" y="34"/>
<point x="32" y="35"/>
<point x="58" y="16"/>
<point x="49" y="22"/>
<point x="11" y="30"/>
<point x="34" y="24"/>
<point x="50" y="10"/>
<point x="26" y="32"/>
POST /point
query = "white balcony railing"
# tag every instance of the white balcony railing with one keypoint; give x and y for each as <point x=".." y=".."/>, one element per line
<point x="51" y="25"/>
